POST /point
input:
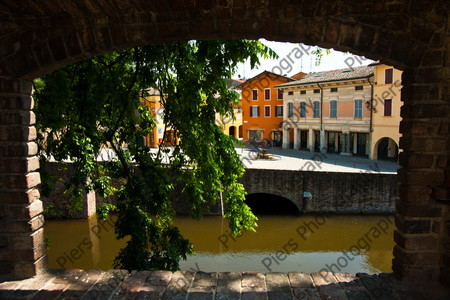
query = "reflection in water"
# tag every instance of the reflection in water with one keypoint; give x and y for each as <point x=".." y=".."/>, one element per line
<point x="281" y="244"/>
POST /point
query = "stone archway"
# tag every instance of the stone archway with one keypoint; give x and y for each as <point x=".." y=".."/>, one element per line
<point x="232" y="131"/>
<point x="386" y="148"/>
<point x="37" y="38"/>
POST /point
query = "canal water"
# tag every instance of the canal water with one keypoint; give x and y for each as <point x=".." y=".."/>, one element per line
<point x="281" y="244"/>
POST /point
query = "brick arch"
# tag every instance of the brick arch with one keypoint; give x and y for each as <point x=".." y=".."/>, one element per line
<point x="37" y="37"/>
<point x="48" y="36"/>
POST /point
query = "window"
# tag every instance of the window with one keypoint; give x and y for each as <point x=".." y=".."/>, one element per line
<point x="254" y="95"/>
<point x="267" y="111"/>
<point x="290" y="93"/>
<point x="388" y="107"/>
<point x="316" y="109"/>
<point x="254" y="112"/>
<point x="290" y="109"/>
<point x="279" y="110"/>
<point x="333" y="90"/>
<point x="302" y="92"/>
<point x="266" y="94"/>
<point x="302" y="109"/>
<point x="317" y="91"/>
<point x="388" y="75"/>
<point x="358" y="88"/>
<point x="358" y="108"/>
<point x="333" y="109"/>
<point x="280" y="95"/>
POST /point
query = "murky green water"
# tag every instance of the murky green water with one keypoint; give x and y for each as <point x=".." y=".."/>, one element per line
<point x="281" y="244"/>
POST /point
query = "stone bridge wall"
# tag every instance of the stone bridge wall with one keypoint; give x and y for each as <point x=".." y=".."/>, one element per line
<point x="331" y="192"/>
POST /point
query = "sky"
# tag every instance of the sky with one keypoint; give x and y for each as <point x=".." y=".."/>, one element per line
<point x="294" y="58"/>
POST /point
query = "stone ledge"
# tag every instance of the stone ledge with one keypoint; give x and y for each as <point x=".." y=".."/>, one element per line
<point x="120" y="284"/>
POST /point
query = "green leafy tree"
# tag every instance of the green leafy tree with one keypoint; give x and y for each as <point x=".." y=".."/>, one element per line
<point x="319" y="53"/>
<point x="96" y="104"/>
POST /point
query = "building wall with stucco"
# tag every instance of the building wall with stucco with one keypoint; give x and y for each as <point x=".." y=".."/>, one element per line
<point x="385" y="136"/>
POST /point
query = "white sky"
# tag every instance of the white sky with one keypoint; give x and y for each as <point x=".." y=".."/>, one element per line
<point x="294" y="58"/>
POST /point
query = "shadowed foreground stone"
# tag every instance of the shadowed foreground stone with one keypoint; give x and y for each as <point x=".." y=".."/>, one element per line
<point x="120" y="284"/>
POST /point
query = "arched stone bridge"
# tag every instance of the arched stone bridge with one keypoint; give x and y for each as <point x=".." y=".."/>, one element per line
<point x="330" y="191"/>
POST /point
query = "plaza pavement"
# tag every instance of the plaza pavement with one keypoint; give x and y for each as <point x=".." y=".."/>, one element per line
<point x="289" y="159"/>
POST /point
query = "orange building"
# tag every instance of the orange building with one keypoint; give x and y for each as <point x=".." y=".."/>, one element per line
<point x="262" y="107"/>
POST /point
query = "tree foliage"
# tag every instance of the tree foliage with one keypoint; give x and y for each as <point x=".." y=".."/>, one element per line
<point x="96" y="104"/>
<point x="319" y="53"/>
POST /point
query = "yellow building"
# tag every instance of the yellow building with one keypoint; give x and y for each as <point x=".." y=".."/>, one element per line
<point x="153" y="101"/>
<point x="232" y="127"/>
<point x="386" y="112"/>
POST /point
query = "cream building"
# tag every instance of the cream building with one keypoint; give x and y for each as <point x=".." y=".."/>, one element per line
<point x="327" y="111"/>
<point x="343" y="111"/>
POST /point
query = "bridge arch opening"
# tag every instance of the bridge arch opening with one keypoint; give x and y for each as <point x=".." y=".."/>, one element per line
<point x="270" y="204"/>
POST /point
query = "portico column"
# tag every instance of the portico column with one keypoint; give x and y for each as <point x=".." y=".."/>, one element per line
<point x="22" y="246"/>
<point x="311" y="140"/>
<point x="285" y="138"/>
<point x="346" y="146"/>
<point x="323" y="145"/>
<point x="296" y="139"/>
<point x="349" y="144"/>
<point x="336" y="142"/>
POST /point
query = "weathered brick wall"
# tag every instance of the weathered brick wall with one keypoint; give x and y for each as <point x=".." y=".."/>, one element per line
<point x="332" y="192"/>
<point x="57" y="202"/>
<point x="422" y="234"/>
<point x="43" y="36"/>
<point x="22" y="247"/>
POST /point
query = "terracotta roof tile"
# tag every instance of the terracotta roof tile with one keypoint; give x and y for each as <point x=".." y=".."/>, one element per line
<point x="333" y="75"/>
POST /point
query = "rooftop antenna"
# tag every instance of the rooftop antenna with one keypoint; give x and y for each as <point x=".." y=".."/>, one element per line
<point x="301" y="64"/>
<point x="310" y="64"/>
